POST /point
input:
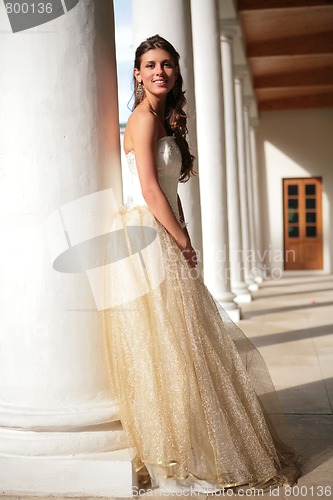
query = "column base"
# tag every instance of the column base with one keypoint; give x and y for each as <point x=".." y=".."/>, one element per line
<point x="226" y="300"/>
<point x="80" y="440"/>
<point x="243" y="298"/>
<point x="102" y="474"/>
<point x="259" y="279"/>
<point x="235" y="314"/>
<point x="241" y="292"/>
<point x="253" y="287"/>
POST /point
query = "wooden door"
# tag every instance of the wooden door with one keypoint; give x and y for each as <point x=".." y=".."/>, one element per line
<point x="303" y="239"/>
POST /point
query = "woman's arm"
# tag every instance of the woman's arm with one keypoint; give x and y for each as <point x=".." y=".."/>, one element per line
<point x="181" y="215"/>
<point x="192" y="257"/>
<point x="144" y="136"/>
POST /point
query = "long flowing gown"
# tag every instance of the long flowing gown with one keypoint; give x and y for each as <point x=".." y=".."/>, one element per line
<point x="194" y="394"/>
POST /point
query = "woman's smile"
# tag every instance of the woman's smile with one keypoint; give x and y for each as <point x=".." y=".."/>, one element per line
<point x="157" y="72"/>
<point x="160" y="82"/>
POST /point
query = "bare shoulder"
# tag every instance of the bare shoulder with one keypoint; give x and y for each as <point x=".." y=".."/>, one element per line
<point x="141" y="125"/>
<point x="142" y="115"/>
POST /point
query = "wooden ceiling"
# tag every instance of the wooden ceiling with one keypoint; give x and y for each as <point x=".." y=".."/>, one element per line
<point x="289" y="45"/>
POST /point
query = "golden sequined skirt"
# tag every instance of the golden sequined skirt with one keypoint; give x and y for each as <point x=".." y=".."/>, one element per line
<point x="194" y="395"/>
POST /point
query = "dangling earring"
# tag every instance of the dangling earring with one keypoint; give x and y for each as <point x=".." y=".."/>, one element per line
<point x="139" y="92"/>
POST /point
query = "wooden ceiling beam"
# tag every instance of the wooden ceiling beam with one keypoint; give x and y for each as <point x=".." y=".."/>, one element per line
<point x="289" y="63"/>
<point x="295" y="79"/>
<point x="294" y="98"/>
<point x="296" y="102"/>
<point x="243" y="5"/>
<point x="271" y="92"/>
<point x="292" y="45"/>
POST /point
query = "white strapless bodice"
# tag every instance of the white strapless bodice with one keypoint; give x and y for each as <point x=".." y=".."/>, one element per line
<point x="169" y="163"/>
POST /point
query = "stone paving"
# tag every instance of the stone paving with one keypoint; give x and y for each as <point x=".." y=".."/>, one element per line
<point x="291" y="322"/>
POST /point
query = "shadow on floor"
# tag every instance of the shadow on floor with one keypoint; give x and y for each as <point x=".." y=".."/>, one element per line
<point x="314" y="453"/>
<point x="292" y="335"/>
<point x="311" y="398"/>
<point x="324" y="278"/>
<point x="311" y="433"/>
<point x="285" y="309"/>
<point x="297" y="292"/>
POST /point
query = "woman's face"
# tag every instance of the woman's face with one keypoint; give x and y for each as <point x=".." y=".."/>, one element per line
<point x="157" y="72"/>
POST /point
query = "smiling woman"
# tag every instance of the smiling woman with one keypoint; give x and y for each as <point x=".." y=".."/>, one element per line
<point x="194" y="394"/>
<point x="157" y="74"/>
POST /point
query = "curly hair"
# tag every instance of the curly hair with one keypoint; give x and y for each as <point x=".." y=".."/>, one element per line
<point x="175" y="119"/>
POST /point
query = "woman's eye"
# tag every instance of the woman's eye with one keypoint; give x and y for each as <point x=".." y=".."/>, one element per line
<point x="149" y="65"/>
<point x="167" y="64"/>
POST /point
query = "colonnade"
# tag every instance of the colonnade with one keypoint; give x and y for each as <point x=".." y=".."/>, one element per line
<point x="59" y="428"/>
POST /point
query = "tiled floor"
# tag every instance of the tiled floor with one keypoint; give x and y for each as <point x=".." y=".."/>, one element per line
<point x="291" y="322"/>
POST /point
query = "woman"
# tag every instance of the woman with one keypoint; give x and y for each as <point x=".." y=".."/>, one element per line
<point x="194" y="395"/>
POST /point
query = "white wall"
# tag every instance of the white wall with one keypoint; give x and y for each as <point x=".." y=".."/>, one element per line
<point x="297" y="143"/>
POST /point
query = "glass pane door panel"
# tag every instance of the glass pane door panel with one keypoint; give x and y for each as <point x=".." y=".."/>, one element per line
<point x="310" y="189"/>
<point x="311" y="217"/>
<point x="293" y="231"/>
<point x="293" y="190"/>
<point x="310" y="203"/>
<point x="311" y="231"/>
<point x="293" y="203"/>
<point x="293" y="217"/>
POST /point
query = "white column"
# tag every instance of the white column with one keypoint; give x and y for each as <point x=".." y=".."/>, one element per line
<point x="248" y="159"/>
<point x="256" y="208"/>
<point x="241" y="147"/>
<point x="238" y="285"/>
<point x="59" y="426"/>
<point x="172" y="20"/>
<point x="210" y="130"/>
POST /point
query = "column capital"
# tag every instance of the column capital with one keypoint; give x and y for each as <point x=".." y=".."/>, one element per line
<point x="229" y="28"/>
<point x="241" y="71"/>
<point x="254" y="122"/>
<point x="248" y="101"/>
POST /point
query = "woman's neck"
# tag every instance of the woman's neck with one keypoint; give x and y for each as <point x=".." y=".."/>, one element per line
<point x="157" y="106"/>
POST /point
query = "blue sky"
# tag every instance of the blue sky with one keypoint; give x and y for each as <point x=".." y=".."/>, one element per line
<point x="125" y="54"/>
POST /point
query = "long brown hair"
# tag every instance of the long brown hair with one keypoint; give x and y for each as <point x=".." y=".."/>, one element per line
<point x="175" y="119"/>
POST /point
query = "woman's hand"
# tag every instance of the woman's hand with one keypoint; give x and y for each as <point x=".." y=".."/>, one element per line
<point x="191" y="256"/>
<point x="189" y="253"/>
